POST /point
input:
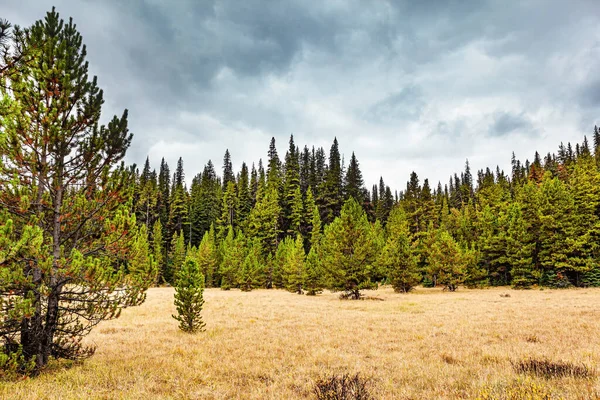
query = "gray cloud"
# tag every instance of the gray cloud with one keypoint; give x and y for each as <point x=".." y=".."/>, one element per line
<point x="506" y="123"/>
<point x="407" y="85"/>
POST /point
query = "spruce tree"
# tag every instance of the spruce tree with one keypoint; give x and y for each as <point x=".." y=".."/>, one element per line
<point x="397" y="257"/>
<point x="556" y="208"/>
<point x="176" y="257"/>
<point x="250" y="274"/>
<point x="348" y="253"/>
<point x="228" y="175"/>
<point x="244" y="197"/>
<point x="189" y="288"/>
<point x="354" y="181"/>
<point x="208" y="205"/>
<point x="331" y="197"/>
<point x="207" y="257"/>
<point x="447" y="266"/>
<point x="71" y="254"/>
<point x="232" y="258"/>
<point x="313" y="281"/>
<point x="157" y="251"/>
<point x="293" y="268"/>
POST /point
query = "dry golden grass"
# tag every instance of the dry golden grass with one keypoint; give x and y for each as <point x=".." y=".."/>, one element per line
<point x="275" y="345"/>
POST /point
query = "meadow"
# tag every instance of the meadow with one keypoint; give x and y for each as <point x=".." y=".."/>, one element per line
<point x="271" y="344"/>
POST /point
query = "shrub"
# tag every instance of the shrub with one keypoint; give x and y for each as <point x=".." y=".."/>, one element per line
<point x="550" y="369"/>
<point x="342" y="387"/>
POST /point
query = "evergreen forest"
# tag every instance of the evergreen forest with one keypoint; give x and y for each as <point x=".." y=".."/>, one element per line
<point x="304" y="221"/>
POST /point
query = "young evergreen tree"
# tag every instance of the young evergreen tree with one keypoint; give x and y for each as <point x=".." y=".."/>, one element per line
<point x="313" y="280"/>
<point x="447" y="265"/>
<point x="232" y="257"/>
<point x="397" y="257"/>
<point x="293" y="268"/>
<point x="207" y="257"/>
<point x="189" y="300"/>
<point x="71" y="254"/>
<point x="348" y="251"/>
<point x="157" y="251"/>
<point x="176" y="257"/>
<point x="250" y="274"/>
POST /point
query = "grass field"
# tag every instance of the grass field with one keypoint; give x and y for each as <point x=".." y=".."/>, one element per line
<point x="275" y="345"/>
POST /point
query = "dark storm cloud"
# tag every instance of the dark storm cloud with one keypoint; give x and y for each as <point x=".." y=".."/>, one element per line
<point x="408" y="85"/>
<point x="507" y="123"/>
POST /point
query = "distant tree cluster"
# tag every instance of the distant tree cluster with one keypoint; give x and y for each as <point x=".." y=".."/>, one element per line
<point x="308" y="223"/>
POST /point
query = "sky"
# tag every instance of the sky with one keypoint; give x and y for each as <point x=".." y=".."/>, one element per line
<point x="407" y="85"/>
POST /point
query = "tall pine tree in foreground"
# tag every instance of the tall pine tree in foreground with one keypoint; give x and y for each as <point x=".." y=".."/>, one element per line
<point x="71" y="254"/>
<point x="189" y="288"/>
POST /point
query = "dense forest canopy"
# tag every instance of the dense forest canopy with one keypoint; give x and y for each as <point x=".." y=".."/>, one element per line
<point x="538" y="224"/>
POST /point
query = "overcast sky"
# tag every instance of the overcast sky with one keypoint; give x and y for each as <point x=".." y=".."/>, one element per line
<point x="407" y="85"/>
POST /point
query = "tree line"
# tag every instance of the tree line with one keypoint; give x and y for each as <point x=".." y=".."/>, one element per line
<point x="307" y="222"/>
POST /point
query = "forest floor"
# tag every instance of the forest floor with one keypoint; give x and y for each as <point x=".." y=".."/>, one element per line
<point x="271" y="344"/>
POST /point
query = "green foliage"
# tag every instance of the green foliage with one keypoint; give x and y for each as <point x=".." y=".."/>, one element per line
<point x="250" y="274"/>
<point x="189" y="288"/>
<point x="313" y="281"/>
<point x="14" y="365"/>
<point x="207" y="257"/>
<point x="348" y="251"/>
<point x="71" y="253"/>
<point x="397" y="258"/>
<point x="294" y="273"/>
<point x="157" y="251"/>
<point x="232" y="257"/>
<point x="176" y="258"/>
<point x="447" y="265"/>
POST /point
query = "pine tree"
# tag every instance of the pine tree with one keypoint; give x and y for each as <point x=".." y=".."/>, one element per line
<point x="331" y="197"/>
<point x="208" y="206"/>
<point x="189" y="288"/>
<point x="555" y="211"/>
<point x="157" y="251"/>
<point x="447" y="265"/>
<point x="244" y="197"/>
<point x="164" y="196"/>
<point x="178" y="210"/>
<point x="293" y="268"/>
<point x="347" y="250"/>
<point x="251" y="272"/>
<point x="232" y="258"/>
<point x="519" y="249"/>
<point x="207" y="257"/>
<point x="228" y="175"/>
<point x="313" y="281"/>
<point x="72" y="254"/>
<point x="397" y="257"/>
<point x="292" y="196"/>
<point x="229" y="208"/>
<point x="263" y="222"/>
<point x="354" y="181"/>
<point x="176" y="257"/>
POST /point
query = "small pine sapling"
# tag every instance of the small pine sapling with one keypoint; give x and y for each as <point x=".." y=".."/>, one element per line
<point x="189" y="289"/>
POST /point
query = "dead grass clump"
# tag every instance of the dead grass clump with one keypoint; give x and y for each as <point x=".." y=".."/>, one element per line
<point x="552" y="369"/>
<point x="342" y="387"/>
<point x="532" y="339"/>
<point x="448" y="359"/>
